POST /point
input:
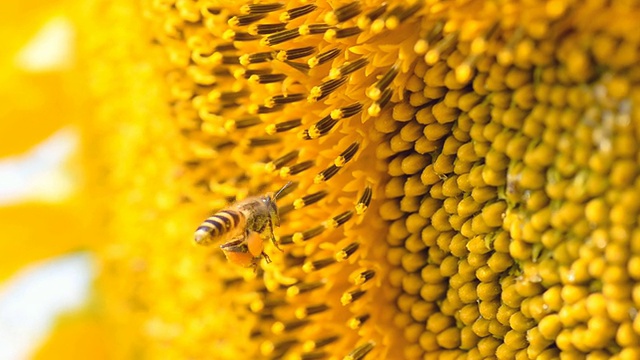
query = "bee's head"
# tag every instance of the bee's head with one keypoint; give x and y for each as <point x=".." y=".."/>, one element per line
<point x="270" y="201"/>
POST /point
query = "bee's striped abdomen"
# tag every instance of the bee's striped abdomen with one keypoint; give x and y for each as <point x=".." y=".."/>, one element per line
<point x="218" y="225"/>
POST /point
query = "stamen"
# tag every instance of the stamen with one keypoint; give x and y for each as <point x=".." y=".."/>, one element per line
<point x="266" y="29"/>
<point x="366" y="20"/>
<point x="256" y="58"/>
<point x="313" y="29"/>
<point x="283" y="99"/>
<point x="248" y="73"/>
<point x="399" y="14"/>
<point x="361" y="351"/>
<point x="365" y="200"/>
<point x="300" y="237"/>
<point x="302" y="288"/>
<point x="307" y="311"/>
<point x="346" y="155"/>
<point x="225" y="96"/>
<point x="281" y="161"/>
<point x="346" y="111"/>
<point x="310" y="345"/>
<point x="225" y="47"/>
<point x="231" y="125"/>
<point x="297" y="12"/>
<point x="285" y="239"/>
<point x="244" y="20"/>
<point x="302" y="67"/>
<point x="345" y="33"/>
<point x="263" y="141"/>
<point x="256" y="109"/>
<point x="283" y="126"/>
<point x="356" y="322"/>
<point x="267" y="78"/>
<point x="280" y="327"/>
<point x="351" y="296"/>
<point x="324" y="89"/>
<point x="443" y="46"/>
<point x="309" y="199"/>
<point x="230" y="60"/>
<point x="347" y="68"/>
<point x="231" y="35"/>
<point x="319" y="129"/>
<point x="375" y="92"/>
<point x="323" y="58"/>
<point x="266" y="304"/>
<point x="326" y="174"/>
<point x="317" y="264"/>
<point x="293" y="54"/>
<point x="260" y="8"/>
<point x="364" y="276"/>
<point x="345" y="253"/>
<point x="269" y="347"/>
<point x="342" y="13"/>
<point x="296" y="169"/>
<point x="376" y="107"/>
<point x="280" y="37"/>
<point x="338" y="220"/>
<point x="314" y="355"/>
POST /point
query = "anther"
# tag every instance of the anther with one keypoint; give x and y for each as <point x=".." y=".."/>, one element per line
<point x="399" y="14"/>
<point x="314" y="29"/>
<point x="243" y="20"/>
<point x="351" y="296"/>
<point x="297" y="12"/>
<point x="319" y="129"/>
<point x="375" y="92"/>
<point x="345" y="33"/>
<point x="365" y="200"/>
<point x="307" y="311"/>
<point x="283" y="126"/>
<point x="366" y="20"/>
<point x="256" y="58"/>
<point x="346" y="252"/>
<point x="280" y="37"/>
<point x="326" y="174"/>
<point x="364" y="276"/>
<point x="357" y="321"/>
<point x="323" y="58"/>
<point x="283" y="99"/>
<point x="282" y="160"/>
<point x="376" y="107"/>
<point x="346" y="155"/>
<point x="339" y="220"/>
<point x="310" y="345"/>
<point x="265" y="29"/>
<point x="266" y="304"/>
<point x="302" y="236"/>
<point x="323" y="90"/>
<point x="267" y="78"/>
<point x="248" y="122"/>
<point x="296" y="169"/>
<point x="343" y="13"/>
<point x="317" y="355"/>
<point x="256" y="109"/>
<point x="346" y="112"/>
<point x="263" y="141"/>
<point x="309" y="199"/>
<point x="347" y="68"/>
<point x="317" y="264"/>
<point x="443" y="46"/>
<point x="361" y="351"/>
<point x="302" y="67"/>
<point x="293" y="54"/>
<point x="270" y="348"/>
<point x="260" y="8"/>
<point x="280" y="327"/>
<point x="302" y="288"/>
<point x="231" y="35"/>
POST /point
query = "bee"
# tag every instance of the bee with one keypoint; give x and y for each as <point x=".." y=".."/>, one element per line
<point x="256" y="215"/>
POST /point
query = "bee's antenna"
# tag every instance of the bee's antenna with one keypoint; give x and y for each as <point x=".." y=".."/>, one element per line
<point x="283" y="190"/>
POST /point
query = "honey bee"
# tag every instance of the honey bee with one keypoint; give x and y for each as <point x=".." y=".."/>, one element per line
<point x="241" y="223"/>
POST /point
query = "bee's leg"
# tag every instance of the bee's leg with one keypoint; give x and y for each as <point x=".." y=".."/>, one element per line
<point x="269" y="229"/>
<point x="266" y="257"/>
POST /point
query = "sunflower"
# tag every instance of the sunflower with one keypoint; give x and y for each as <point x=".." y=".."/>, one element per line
<point x="465" y="176"/>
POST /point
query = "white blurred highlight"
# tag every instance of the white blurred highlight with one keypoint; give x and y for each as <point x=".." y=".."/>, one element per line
<point x="33" y="298"/>
<point x="50" y="49"/>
